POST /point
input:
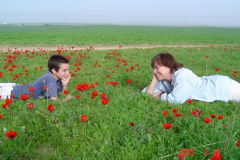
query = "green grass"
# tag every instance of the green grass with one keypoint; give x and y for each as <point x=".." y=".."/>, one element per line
<point x="107" y="133"/>
<point x="115" y="35"/>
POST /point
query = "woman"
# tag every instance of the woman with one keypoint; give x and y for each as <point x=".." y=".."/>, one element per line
<point x="176" y="84"/>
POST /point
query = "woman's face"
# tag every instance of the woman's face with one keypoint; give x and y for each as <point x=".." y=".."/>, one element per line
<point x="162" y="72"/>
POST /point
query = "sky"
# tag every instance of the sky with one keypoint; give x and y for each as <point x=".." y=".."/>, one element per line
<point x="220" y="13"/>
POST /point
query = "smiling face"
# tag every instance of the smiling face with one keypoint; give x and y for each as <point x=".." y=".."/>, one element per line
<point x="62" y="73"/>
<point x="162" y="72"/>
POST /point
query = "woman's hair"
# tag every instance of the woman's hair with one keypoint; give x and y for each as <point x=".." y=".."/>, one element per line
<point x="55" y="61"/>
<point x="167" y="60"/>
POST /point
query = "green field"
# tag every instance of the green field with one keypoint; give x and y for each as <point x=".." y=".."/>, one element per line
<point x="115" y="35"/>
<point x="107" y="133"/>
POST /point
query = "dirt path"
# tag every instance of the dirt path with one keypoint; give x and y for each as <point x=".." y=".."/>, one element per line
<point x="5" y="48"/>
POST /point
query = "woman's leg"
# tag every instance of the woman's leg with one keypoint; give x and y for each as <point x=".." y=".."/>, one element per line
<point x="5" y="90"/>
<point x="234" y="92"/>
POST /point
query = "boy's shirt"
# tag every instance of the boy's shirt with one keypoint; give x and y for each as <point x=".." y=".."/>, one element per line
<point x="45" y="86"/>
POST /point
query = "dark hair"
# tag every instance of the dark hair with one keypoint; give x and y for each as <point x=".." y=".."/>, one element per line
<point x="166" y="59"/>
<point x="55" y="61"/>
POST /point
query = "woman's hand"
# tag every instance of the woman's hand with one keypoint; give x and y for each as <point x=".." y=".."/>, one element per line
<point x="158" y="95"/>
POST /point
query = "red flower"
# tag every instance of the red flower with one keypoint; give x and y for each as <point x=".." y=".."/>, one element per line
<point x="44" y="87"/>
<point x="30" y="106"/>
<point x="84" y="118"/>
<point x="108" y="76"/>
<point x="104" y="101"/>
<point x="11" y="134"/>
<point x="235" y="72"/>
<point x="206" y="56"/>
<point x="65" y="91"/>
<point x="216" y="69"/>
<point x="181" y="157"/>
<point x="220" y="116"/>
<point x="224" y="125"/>
<point x="95" y="93"/>
<point x="77" y="96"/>
<point x="31" y="89"/>
<point x="165" y="113"/>
<point x="132" y="124"/>
<point x="167" y="126"/>
<point x="190" y="101"/>
<point x="177" y="114"/>
<point x="50" y="107"/>
<point x="1" y="116"/>
<point x="238" y="143"/>
<point x="207" y="120"/>
<point x="129" y="81"/>
<point x="8" y="101"/>
<point x="212" y="116"/>
<point x="24" y="97"/>
<point x="12" y="96"/>
<point x="104" y="96"/>
<point x="216" y="156"/>
<point x="174" y="110"/>
<point x="196" y="112"/>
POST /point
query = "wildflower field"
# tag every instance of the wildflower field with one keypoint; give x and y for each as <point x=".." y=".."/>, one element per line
<point x="108" y="116"/>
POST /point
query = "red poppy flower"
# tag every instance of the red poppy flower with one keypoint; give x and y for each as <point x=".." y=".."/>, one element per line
<point x="8" y="101"/>
<point x="167" y="126"/>
<point x="129" y="81"/>
<point x="11" y="134"/>
<point x="220" y="116"/>
<point x="181" y="157"/>
<point x="190" y="101"/>
<point x="216" y="69"/>
<point x="31" y="89"/>
<point x="196" y="112"/>
<point x="177" y="114"/>
<point x="57" y="121"/>
<point x="104" y="101"/>
<point x="44" y="87"/>
<point x="50" y="107"/>
<point x="235" y="72"/>
<point x="132" y="124"/>
<point x="224" y="125"/>
<point x="174" y="110"/>
<point x="165" y="113"/>
<point x="212" y="116"/>
<point x="24" y="97"/>
<point x="65" y="91"/>
<point x="30" y="105"/>
<point x="77" y="96"/>
<point x="207" y="120"/>
<point x="216" y="156"/>
<point x="206" y="56"/>
<point x="95" y="93"/>
<point x="1" y="116"/>
<point x="12" y="96"/>
<point x="108" y="76"/>
<point x="96" y="83"/>
<point x="92" y="86"/>
<point x="84" y="118"/>
<point x="127" y="70"/>
<point x="238" y="143"/>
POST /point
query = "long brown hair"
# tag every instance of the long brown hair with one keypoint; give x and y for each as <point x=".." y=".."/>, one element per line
<point x="166" y="59"/>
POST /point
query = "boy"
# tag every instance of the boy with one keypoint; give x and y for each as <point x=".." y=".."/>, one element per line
<point x="48" y="85"/>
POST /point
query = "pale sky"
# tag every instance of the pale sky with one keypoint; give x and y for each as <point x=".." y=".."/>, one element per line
<point x="123" y="12"/>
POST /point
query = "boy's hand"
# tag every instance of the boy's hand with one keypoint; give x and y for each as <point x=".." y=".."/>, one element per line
<point x="66" y="80"/>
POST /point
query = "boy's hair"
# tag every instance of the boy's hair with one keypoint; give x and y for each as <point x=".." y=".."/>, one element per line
<point x="167" y="60"/>
<point x="55" y="61"/>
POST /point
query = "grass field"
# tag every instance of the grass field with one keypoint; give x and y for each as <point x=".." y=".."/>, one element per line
<point x="130" y="126"/>
<point x="115" y="35"/>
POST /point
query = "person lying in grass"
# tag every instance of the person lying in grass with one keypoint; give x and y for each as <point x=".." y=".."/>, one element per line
<point x="54" y="81"/>
<point x="176" y="84"/>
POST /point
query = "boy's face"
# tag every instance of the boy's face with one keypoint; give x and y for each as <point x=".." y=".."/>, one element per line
<point x="63" y="72"/>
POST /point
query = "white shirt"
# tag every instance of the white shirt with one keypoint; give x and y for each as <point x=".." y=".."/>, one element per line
<point x="186" y="85"/>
